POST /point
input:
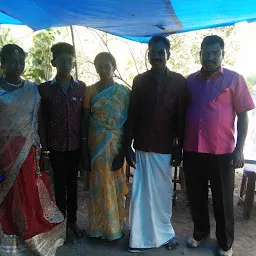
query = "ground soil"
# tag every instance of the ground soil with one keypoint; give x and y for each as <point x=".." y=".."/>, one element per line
<point x="245" y="232"/>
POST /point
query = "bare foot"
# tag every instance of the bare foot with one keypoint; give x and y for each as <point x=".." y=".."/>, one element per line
<point x="172" y="244"/>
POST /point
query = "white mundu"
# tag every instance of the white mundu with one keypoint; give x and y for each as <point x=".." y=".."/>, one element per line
<point x="151" y="203"/>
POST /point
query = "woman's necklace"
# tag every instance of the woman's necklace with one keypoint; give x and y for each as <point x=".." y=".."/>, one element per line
<point x="11" y="87"/>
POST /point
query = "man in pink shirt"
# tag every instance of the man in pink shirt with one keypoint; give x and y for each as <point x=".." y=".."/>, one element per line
<point x="218" y="96"/>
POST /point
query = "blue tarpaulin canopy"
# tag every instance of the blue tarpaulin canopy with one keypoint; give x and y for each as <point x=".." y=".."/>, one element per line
<point x="133" y="19"/>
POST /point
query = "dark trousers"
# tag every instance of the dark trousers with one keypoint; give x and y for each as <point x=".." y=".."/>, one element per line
<point x="65" y="168"/>
<point x="200" y="168"/>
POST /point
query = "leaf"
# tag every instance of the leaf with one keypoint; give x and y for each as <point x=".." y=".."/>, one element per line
<point x="39" y="63"/>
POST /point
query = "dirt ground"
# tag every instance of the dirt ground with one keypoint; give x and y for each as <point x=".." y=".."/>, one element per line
<point x="245" y="232"/>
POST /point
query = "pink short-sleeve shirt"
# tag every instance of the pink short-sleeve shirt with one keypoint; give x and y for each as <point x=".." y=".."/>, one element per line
<point x="210" y="118"/>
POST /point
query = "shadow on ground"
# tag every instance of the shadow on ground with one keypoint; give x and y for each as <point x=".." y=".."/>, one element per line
<point x="245" y="232"/>
<point x="90" y="247"/>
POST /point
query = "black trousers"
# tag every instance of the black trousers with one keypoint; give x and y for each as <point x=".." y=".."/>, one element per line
<point x="199" y="168"/>
<point x="65" y="168"/>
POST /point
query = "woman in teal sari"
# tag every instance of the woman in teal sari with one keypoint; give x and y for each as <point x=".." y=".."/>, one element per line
<point x="105" y="113"/>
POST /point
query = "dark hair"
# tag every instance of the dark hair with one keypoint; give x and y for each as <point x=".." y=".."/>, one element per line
<point x="60" y="48"/>
<point x="107" y="55"/>
<point x="8" y="49"/>
<point x="213" y="39"/>
<point x="163" y="39"/>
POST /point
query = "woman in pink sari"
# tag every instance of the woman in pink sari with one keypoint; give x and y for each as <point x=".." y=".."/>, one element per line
<point x="30" y="220"/>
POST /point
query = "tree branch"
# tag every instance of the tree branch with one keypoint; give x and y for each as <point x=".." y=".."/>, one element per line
<point x="106" y="45"/>
<point x="135" y="63"/>
<point x="92" y="31"/>
<point x="91" y="73"/>
<point x="120" y="78"/>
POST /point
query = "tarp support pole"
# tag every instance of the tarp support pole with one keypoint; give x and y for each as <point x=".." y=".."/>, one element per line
<point x="73" y="42"/>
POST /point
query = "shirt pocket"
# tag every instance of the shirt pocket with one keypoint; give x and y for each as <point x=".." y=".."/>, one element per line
<point x="75" y="102"/>
<point x="224" y="98"/>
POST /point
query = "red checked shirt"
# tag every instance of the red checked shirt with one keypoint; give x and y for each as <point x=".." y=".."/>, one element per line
<point x="62" y="114"/>
<point x="210" y="118"/>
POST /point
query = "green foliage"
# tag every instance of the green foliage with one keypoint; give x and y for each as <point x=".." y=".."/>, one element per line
<point x="185" y="48"/>
<point x="251" y="82"/>
<point x="137" y="63"/>
<point x="5" y="38"/>
<point x="38" y="62"/>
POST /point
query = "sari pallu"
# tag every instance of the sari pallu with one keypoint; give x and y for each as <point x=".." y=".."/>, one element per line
<point x="30" y="220"/>
<point x="107" y="188"/>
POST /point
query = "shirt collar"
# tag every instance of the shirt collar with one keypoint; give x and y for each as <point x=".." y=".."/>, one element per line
<point x="219" y="72"/>
<point x="73" y="81"/>
<point x="168" y="73"/>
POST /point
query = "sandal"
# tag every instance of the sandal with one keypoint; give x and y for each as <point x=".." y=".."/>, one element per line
<point x="226" y="253"/>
